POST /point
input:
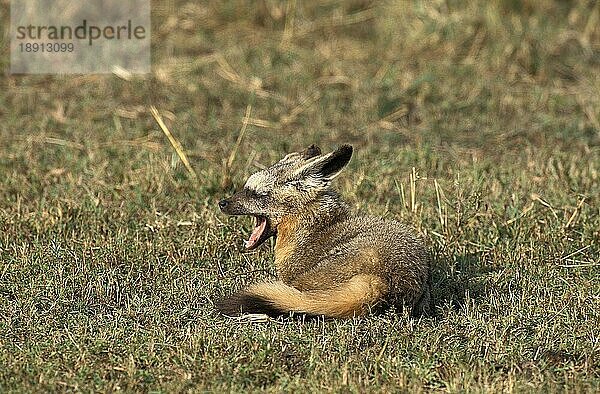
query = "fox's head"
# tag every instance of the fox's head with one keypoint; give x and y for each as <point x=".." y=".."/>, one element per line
<point x="288" y="187"/>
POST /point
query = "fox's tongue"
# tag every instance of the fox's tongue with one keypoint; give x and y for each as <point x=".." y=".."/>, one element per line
<point x="257" y="232"/>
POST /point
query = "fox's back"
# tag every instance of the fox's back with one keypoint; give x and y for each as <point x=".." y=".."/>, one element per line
<point x="365" y="245"/>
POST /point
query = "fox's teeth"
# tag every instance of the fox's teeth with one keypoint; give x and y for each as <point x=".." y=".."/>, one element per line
<point x="257" y="233"/>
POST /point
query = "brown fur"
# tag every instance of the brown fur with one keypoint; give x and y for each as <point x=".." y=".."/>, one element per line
<point x="329" y="262"/>
<point x="351" y="298"/>
<point x="285" y="244"/>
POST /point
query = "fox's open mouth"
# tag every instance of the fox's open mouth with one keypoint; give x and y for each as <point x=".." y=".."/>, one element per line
<point x="262" y="231"/>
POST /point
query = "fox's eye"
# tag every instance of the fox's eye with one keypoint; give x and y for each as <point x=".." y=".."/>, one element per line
<point x="255" y="194"/>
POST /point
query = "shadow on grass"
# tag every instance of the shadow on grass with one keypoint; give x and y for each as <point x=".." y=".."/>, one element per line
<point x="454" y="279"/>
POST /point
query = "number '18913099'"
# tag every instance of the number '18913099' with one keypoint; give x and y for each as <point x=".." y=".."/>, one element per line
<point x="47" y="47"/>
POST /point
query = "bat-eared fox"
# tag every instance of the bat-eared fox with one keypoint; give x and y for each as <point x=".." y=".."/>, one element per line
<point x="329" y="262"/>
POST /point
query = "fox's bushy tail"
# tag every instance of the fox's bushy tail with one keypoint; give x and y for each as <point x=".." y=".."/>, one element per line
<point x="350" y="298"/>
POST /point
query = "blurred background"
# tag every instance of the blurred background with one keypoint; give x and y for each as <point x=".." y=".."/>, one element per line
<point x="467" y="79"/>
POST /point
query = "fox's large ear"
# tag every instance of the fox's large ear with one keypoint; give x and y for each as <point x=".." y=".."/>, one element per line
<point x="327" y="167"/>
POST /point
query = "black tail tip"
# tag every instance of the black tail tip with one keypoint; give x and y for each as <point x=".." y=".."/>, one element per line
<point x="242" y="303"/>
<point x="228" y="308"/>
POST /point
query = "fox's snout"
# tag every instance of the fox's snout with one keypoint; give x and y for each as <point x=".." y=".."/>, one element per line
<point x="223" y="204"/>
<point x="228" y="206"/>
<point x="233" y="206"/>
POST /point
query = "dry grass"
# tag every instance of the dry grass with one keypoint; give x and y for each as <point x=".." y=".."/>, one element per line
<point x="475" y="121"/>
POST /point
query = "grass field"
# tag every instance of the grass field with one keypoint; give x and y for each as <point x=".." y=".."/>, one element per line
<point x="477" y="122"/>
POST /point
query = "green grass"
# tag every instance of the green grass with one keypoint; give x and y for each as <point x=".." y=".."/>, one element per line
<point x="111" y="254"/>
